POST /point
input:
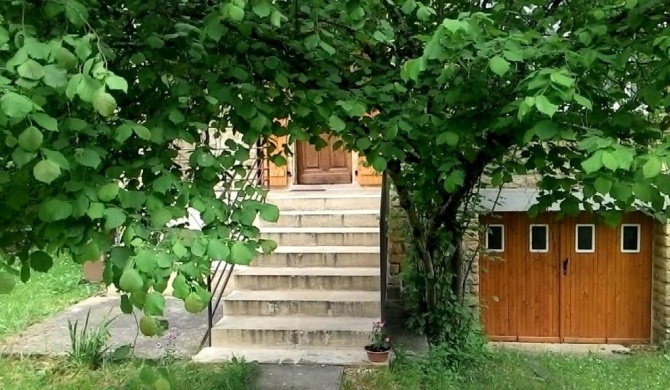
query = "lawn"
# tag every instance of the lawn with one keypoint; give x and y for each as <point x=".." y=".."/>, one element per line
<point x="515" y="370"/>
<point x="59" y="373"/>
<point x="44" y="294"/>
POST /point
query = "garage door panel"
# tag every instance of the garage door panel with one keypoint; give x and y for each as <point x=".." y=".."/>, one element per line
<point x="630" y="284"/>
<point x="583" y="282"/>
<point x="494" y="288"/>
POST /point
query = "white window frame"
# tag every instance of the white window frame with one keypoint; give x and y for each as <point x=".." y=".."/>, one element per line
<point x="502" y="237"/>
<point x="639" y="235"/>
<point x="593" y="238"/>
<point x="530" y="238"/>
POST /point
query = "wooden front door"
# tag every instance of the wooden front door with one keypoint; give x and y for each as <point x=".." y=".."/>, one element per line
<point x="590" y="283"/>
<point x="325" y="166"/>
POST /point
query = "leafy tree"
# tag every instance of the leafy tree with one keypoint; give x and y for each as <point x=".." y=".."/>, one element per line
<point x="100" y="99"/>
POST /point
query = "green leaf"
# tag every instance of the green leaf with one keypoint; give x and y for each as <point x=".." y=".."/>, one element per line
<point x="41" y="261"/>
<point x="154" y="304"/>
<point x="176" y="117"/>
<point x="218" y="250"/>
<point x="104" y="103"/>
<point x="7" y="283"/>
<point x="412" y="68"/>
<point x="15" y="105"/>
<point x="450" y="138"/>
<point x="31" y="139"/>
<point x="54" y="210"/>
<point x="123" y="132"/>
<point x="76" y="13"/>
<point x="455" y="180"/>
<point x="180" y="289"/>
<point x="57" y="157"/>
<point x="114" y="218"/>
<point x="663" y="183"/>
<point x="603" y="185"/>
<point x="277" y="18"/>
<point x="66" y="59"/>
<point x="261" y="8"/>
<point x="116" y="83"/>
<point x="336" y="124"/>
<point x="513" y="55"/>
<point x="161" y="217"/>
<point x="108" y="192"/>
<point x="408" y="6"/>
<point x="240" y="253"/>
<point x="327" y="47"/>
<point x="652" y="167"/>
<point x="643" y="192"/>
<point x="31" y="70"/>
<point x="46" y="171"/>
<point x="45" y="121"/>
<point x="236" y="13"/>
<point x="499" y="65"/>
<point x="582" y="101"/>
<point x="379" y="163"/>
<point x="96" y="210"/>
<point x="269" y="212"/>
<point x="179" y="249"/>
<point x="88" y="158"/>
<point x="561" y="79"/>
<point x="545" y="129"/>
<point x="452" y="25"/>
<point x="545" y="106"/>
<point x="610" y="161"/>
<point x="142" y="132"/>
<point x="593" y="163"/>
<point x="55" y="76"/>
<point x="267" y="246"/>
<point x="146" y="261"/>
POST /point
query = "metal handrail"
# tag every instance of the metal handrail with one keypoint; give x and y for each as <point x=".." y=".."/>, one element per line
<point x="218" y="281"/>
<point x="384" y="241"/>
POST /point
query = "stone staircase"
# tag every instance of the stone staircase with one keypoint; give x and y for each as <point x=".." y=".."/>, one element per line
<point x="313" y="300"/>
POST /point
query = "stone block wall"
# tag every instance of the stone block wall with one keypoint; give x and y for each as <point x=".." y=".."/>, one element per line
<point x="661" y="284"/>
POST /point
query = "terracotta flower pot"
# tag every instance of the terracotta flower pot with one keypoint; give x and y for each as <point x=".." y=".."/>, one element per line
<point x="378" y="356"/>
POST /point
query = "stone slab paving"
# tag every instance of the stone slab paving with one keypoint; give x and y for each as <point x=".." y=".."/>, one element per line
<point x="51" y="337"/>
<point x="292" y="377"/>
<point x="570" y="349"/>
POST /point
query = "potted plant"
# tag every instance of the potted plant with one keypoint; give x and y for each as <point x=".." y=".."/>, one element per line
<point x="380" y="347"/>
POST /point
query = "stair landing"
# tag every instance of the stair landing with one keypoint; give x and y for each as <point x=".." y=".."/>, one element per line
<point x="313" y="300"/>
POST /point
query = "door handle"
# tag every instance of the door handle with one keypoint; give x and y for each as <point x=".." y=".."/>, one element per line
<point x="565" y="266"/>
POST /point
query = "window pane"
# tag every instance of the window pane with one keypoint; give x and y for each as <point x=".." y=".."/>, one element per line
<point x="495" y="238"/>
<point x="538" y="238"/>
<point x="585" y="238"/>
<point x="629" y="239"/>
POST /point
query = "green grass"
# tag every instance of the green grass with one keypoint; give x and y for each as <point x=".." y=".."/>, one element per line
<point x="56" y="374"/>
<point x="515" y="370"/>
<point x="44" y="294"/>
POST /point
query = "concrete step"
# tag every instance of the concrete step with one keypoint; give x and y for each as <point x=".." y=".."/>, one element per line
<point x="286" y="355"/>
<point x="324" y="200"/>
<point x="303" y="302"/>
<point x="320" y="256"/>
<point x="310" y="278"/>
<point x="335" y="332"/>
<point x="326" y="218"/>
<point x="362" y="236"/>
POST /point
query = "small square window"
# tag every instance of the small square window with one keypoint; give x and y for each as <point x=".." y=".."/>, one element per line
<point x="539" y="238"/>
<point x="630" y="238"/>
<point x="495" y="238"/>
<point x="585" y="239"/>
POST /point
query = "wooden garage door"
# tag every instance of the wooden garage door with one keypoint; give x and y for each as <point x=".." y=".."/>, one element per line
<point x="589" y="283"/>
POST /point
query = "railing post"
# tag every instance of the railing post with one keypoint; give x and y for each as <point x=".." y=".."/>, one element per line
<point x="384" y="241"/>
